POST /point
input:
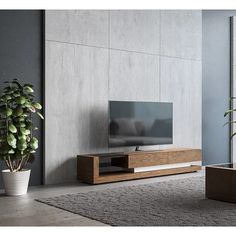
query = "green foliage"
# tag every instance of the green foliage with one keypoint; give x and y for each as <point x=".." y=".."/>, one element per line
<point x="12" y="128"/>
<point x="16" y="108"/>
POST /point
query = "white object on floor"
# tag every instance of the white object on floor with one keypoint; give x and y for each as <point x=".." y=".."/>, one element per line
<point x="16" y="183"/>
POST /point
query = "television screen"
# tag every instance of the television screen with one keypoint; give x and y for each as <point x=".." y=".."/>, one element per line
<point x="140" y="123"/>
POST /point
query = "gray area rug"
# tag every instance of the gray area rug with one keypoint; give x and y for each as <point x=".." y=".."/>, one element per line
<point x="171" y="203"/>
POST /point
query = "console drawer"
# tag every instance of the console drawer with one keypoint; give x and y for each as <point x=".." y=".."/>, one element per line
<point x="163" y="157"/>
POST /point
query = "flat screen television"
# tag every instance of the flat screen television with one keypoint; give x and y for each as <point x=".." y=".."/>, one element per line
<point x="140" y="123"/>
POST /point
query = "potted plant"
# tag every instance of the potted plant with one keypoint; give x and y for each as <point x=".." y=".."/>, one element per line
<point x="17" y="143"/>
<point x="230" y="113"/>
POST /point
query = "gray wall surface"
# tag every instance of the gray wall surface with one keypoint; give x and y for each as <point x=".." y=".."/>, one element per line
<point x="233" y="85"/>
<point x="96" y="56"/>
<point x="21" y="57"/>
<point x="216" y="85"/>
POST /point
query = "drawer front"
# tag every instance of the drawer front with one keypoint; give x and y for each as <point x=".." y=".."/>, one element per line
<point x="163" y="157"/>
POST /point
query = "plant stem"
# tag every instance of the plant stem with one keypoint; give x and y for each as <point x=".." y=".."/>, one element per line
<point x="21" y="164"/>
<point x="7" y="164"/>
<point x="25" y="162"/>
<point x="10" y="164"/>
<point x="17" y="164"/>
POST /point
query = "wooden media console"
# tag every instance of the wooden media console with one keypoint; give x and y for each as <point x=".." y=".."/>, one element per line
<point x="112" y="167"/>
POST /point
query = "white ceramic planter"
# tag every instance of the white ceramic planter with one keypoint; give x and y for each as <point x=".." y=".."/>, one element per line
<point x="16" y="183"/>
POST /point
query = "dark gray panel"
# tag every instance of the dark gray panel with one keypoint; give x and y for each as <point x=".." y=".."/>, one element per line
<point x="216" y="84"/>
<point x="21" y="57"/>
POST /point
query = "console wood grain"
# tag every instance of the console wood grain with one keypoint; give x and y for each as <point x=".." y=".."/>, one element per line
<point x="163" y="157"/>
<point x="88" y="165"/>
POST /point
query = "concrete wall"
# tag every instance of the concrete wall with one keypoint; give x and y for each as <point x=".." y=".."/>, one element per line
<point x="21" y="47"/>
<point x="233" y="87"/>
<point x="96" y="56"/>
<point x="216" y="85"/>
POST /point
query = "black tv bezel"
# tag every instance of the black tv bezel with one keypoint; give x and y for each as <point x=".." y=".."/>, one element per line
<point x="172" y="115"/>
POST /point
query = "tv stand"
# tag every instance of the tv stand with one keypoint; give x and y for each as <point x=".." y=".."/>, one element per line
<point x="112" y="167"/>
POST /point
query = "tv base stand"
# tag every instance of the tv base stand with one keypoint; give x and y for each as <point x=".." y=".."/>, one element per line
<point x="112" y="167"/>
<point x="137" y="149"/>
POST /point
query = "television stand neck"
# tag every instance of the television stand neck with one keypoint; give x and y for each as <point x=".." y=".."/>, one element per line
<point x="137" y="149"/>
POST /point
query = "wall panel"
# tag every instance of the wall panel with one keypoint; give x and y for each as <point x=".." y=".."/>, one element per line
<point x="76" y="107"/>
<point x="123" y="55"/>
<point x="135" y="30"/>
<point x="128" y="71"/>
<point x="78" y="26"/>
<point x="181" y="84"/>
<point x="181" y="33"/>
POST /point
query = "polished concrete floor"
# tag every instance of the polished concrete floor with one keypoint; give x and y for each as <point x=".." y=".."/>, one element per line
<point x="25" y="211"/>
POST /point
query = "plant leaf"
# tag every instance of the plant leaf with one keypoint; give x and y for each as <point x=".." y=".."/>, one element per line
<point x="28" y="85"/>
<point x="11" y="140"/>
<point x="8" y="112"/>
<point x="21" y="119"/>
<point x="34" y="143"/>
<point x="17" y="83"/>
<point x="12" y="128"/>
<point x="40" y="115"/>
<point x="232" y="135"/>
<point x="21" y="144"/>
<point x="22" y="136"/>
<point x="11" y="151"/>
<point x="32" y="109"/>
<point x="28" y="89"/>
<point x="22" y="125"/>
<point x="20" y="100"/>
<point x="229" y="122"/>
<point x="24" y="131"/>
<point x="7" y="97"/>
<point x="229" y="111"/>
<point x="18" y="111"/>
<point x="37" y="105"/>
